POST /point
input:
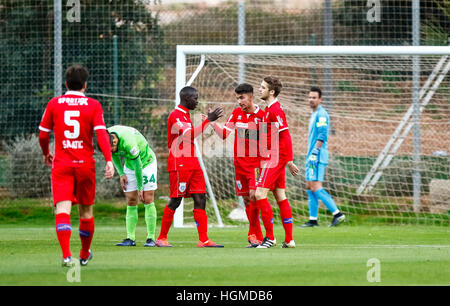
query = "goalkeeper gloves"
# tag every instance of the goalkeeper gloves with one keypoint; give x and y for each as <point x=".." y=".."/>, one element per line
<point x="313" y="159"/>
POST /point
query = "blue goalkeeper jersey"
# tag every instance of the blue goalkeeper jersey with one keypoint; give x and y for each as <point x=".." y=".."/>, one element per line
<point x="319" y="128"/>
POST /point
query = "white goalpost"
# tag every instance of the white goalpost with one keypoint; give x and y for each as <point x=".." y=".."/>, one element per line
<point x="373" y="111"/>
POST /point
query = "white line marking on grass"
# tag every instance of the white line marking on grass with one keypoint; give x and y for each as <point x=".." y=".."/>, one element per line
<point x="377" y="246"/>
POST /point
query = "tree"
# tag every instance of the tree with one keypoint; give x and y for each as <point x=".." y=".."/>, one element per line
<point x="436" y="31"/>
<point x="26" y="55"/>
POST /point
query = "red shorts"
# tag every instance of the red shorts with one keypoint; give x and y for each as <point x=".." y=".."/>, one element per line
<point x="75" y="184"/>
<point x="245" y="181"/>
<point x="273" y="176"/>
<point x="184" y="183"/>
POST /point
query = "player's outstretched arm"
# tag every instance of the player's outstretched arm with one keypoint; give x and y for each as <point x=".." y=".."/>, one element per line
<point x="215" y="114"/>
<point x="190" y="134"/>
<point x="221" y="132"/>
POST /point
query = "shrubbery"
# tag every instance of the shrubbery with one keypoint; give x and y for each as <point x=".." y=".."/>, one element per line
<point x="26" y="175"/>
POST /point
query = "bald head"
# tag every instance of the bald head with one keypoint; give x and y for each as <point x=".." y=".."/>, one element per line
<point x="189" y="97"/>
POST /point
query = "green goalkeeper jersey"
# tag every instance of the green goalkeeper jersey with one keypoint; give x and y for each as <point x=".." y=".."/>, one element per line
<point x="133" y="148"/>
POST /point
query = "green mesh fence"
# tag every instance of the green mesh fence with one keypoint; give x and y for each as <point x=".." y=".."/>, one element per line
<point x="129" y="48"/>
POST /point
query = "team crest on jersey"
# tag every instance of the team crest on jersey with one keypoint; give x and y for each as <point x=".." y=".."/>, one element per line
<point x="239" y="185"/>
<point x="182" y="187"/>
<point x="280" y="120"/>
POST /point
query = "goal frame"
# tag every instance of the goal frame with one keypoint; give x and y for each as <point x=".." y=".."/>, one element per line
<point x="184" y="50"/>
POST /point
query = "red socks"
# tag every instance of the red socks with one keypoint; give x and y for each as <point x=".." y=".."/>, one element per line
<point x="86" y="232"/>
<point x="166" y="222"/>
<point x="202" y="224"/>
<point x="266" y="216"/>
<point x="200" y="219"/>
<point x="286" y="218"/>
<point x="249" y="212"/>
<point x="253" y="220"/>
<point x="63" y="232"/>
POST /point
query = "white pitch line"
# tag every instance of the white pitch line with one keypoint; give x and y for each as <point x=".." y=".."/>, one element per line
<point x="377" y="246"/>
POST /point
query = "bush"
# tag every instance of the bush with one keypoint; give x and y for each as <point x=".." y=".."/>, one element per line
<point x="105" y="188"/>
<point x="26" y="175"/>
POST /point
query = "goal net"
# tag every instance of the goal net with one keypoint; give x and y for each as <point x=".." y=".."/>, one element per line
<point x="369" y="96"/>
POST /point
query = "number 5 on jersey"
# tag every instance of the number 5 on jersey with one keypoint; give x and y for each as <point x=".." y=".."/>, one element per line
<point x="69" y="121"/>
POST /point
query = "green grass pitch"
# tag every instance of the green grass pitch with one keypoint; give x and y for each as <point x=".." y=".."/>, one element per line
<point x="408" y="255"/>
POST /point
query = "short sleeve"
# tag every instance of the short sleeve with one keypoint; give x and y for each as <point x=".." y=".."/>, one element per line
<point x="280" y="120"/>
<point x="229" y="125"/>
<point x="179" y="127"/>
<point x="99" y="121"/>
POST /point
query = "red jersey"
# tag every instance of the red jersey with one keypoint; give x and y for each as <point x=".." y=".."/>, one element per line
<point x="246" y="125"/>
<point x="73" y="117"/>
<point x="181" y="151"/>
<point x="278" y="137"/>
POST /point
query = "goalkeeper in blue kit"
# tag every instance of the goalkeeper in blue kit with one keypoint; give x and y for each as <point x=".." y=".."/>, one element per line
<point x="317" y="161"/>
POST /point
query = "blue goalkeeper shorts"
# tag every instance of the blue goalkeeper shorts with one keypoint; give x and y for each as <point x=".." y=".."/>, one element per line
<point x="315" y="174"/>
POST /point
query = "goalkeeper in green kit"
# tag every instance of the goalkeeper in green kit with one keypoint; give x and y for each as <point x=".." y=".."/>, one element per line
<point x="138" y="178"/>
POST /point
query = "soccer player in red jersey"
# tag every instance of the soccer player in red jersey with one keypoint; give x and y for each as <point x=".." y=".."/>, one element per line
<point x="73" y="118"/>
<point x="244" y="120"/>
<point x="276" y="151"/>
<point x="185" y="174"/>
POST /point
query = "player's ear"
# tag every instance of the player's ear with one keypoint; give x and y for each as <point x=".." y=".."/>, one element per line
<point x="67" y="87"/>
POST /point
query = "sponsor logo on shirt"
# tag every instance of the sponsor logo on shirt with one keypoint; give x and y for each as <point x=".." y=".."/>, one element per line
<point x="322" y="122"/>
<point x="73" y="101"/>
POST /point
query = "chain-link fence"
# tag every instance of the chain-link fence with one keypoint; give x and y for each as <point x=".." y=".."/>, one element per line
<point x="129" y="48"/>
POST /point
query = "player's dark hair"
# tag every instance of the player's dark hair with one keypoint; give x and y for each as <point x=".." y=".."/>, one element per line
<point x="274" y="84"/>
<point x="187" y="91"/>
<point x="316" y="89"/>
<point x="111" y="137"/>
<point x="76" y="77"/>
<point x="244" y="88"/>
